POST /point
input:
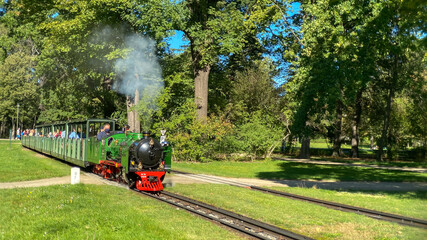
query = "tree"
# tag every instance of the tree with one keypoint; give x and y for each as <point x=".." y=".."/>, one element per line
<point x="18" y="85"/>
<point x="18" y="82"/>
<point x="215" y="29"/>
<point x="398" y="25"/>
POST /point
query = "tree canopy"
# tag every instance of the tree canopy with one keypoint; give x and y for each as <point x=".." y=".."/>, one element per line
<point x="252" y="74"/>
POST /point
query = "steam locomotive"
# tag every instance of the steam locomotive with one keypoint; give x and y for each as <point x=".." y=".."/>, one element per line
<point x="137" y="159"/>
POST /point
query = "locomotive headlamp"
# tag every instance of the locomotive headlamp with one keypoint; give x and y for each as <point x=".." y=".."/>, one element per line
<point x="115" y="142"/>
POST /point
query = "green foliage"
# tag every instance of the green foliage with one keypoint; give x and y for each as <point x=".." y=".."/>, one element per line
<point x="120" y="116"/>
<point x="191" y="139"/>
<point x="259" y="135"/>
<point x="57" y="58"/>
<point x="18" y="85"/>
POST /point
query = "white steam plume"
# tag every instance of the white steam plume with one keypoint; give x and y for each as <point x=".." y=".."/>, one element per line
<point x="139" y="69"/>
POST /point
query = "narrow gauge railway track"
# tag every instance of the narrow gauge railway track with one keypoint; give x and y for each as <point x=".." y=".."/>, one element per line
<point x="413" y="222"/>
<point x="248" y="226"/>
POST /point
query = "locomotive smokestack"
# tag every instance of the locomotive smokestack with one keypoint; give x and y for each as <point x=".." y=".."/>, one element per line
<point x="146" y="134"/>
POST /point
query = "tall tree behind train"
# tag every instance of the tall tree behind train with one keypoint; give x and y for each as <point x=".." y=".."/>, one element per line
<point x="19" y="48"/>
<point x="399" y="39"/>
<point x="216" y="30"/>
<point x="329" y="66"/>
<point x="76" y="63"/>
<point x="18" y="84"/>
<point x="348" y="48"/>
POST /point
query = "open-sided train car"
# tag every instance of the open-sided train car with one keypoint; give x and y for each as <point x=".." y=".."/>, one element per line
<point x="137" y="159"/>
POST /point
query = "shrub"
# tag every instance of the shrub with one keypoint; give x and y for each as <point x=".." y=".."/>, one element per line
<point x="258" y="136"/>
<point x="191" y="139"/>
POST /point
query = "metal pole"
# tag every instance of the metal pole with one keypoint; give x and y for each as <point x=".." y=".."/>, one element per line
<point x="17" y="119"/>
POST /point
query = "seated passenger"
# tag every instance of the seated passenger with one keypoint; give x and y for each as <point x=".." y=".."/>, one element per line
<point x="57" y="134"/>
<point x="80" y="134"/>
<point x="62" y="134"/>
<point x="73" y="134"/>
<point x="105" y="132"/>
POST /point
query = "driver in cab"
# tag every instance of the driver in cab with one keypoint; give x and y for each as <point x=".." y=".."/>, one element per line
<point x="105" y="132"/>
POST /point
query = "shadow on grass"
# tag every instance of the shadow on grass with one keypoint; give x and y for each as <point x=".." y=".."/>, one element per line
<point x="422" y="195"/>
<point x="374" y="162"/>
<point x="302" y="171"/>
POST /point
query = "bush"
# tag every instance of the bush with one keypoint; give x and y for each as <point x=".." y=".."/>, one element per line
<point x="191" y="139"/>
<point x="258" y="137"/>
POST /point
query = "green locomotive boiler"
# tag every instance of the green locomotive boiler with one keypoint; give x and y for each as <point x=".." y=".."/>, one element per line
<point x="137" y="159"/>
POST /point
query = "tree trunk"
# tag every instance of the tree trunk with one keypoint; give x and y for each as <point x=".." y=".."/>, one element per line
<point x="336" y="148"/>
<point x="2" y="128"/>
<point x="305" y="148"/>
<point x="355" y="128"/>
<point x="137" y="127"/>
<point x="386" y="127"/>
<point x="13" y="129"/>
<point x="289" y="145"/>
<point x="107" y="100"/>
<point x="274" y="145"/>
<point x="384" y="133"/>
<point x="133" y="120"/>
<point x="201" y="81"/>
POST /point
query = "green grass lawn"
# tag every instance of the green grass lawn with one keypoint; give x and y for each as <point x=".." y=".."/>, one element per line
<point x="301" y="217"/>
<point x="411" y="204"/>
<point x="96" y="212"/>
<point x="21" y="164"/>
<point x="276" y="169"/>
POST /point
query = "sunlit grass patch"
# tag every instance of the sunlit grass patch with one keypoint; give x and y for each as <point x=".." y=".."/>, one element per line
<point x="411" y="204"/>
<point x="96" y="212"/>
<point x="277" y="169"/>
<point x="21" y="164"/>
<point x="305" y="218"/>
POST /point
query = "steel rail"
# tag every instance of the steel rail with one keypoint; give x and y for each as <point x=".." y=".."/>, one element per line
<point x="248" y="226"/>
<point x="409" y="221"/>
<point x="237" y="222"/>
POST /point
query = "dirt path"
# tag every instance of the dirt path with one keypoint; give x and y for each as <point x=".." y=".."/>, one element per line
<point x="333" y="185"/>
<point x="409" y="169"/>
<point x="86" y="179"/>
<point x="172" y="179"/>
